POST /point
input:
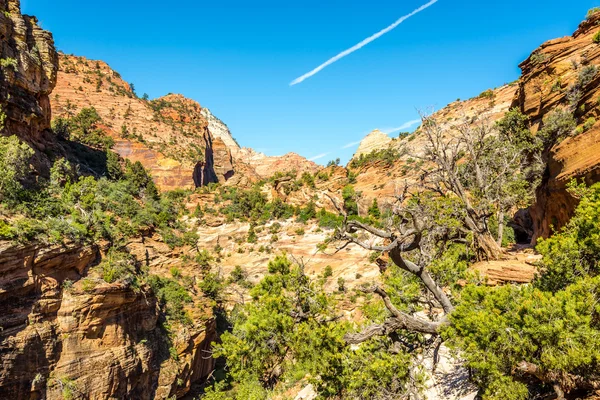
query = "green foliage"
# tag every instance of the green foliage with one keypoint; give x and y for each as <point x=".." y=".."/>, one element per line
<point x="552" y="324"/>
<point x="350" y="200"/>
<point x="575" y="251"/>
<point x="352" y="177"/>
<point x="117" y="265"/>
<point x="14" y="167"/>
<point x="498" y="328"/>
<point x="172" y="298"/>
<point x="287" y="333"/>
<point x="333" y="163"/>
<point x="374" y="210"/>
<point x="308" y="180"/>
<point x="488" y="94"/>
<point x="252" y="238"/>
<point x="114" y="170"/>
<point x="386" y="156"/>
<point x="558" y="125"/>
<point x="596" y="38"/>
<point x="238" y="275"/>
<point x="307" y="213"/>
<point x="212" y="286"/>
<point x="9" y="62"/>
<point x="80" y="210"/>
<point x="327" y="272"/>
<point x="83" y="128"/>
<point x="3" y="117"/>
<point x="203" y="258"/>
<point x="592" y="11"/>
<point x="538" y="58"/>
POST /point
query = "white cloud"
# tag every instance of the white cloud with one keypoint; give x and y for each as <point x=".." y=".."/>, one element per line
<point x="406" y="125"/>
<point x="351" y="144"/>
<point x="318" y="156"/>
<point x="361" y="44"/>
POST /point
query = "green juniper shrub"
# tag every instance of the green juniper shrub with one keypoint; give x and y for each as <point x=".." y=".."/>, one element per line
<point x="172" y="297"/>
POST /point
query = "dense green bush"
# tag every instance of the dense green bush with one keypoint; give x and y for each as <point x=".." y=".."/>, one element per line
<point x="84" y="128"/>
<point x="523" y="340"/>
<point x="287" y="333"/>
<point x="172" y="297"/>
<point x="14" y="167"/>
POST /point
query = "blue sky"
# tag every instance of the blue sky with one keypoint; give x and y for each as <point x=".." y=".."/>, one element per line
<point x="238" y="57"/>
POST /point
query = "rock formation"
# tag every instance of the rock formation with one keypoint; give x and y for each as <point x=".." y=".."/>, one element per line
<point x="561" y="73"/>
<point x="552" y="79"/>
<point x="219" y="130"/>
<point x="373" y="141"/>
<point x="27" y="76"/>
<point x="64" y="330"/>
<point x="170" y="135"/>
<point x="266" y="166"/>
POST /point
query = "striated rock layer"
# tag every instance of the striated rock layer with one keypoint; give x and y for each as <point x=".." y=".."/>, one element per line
<point x="549" y="78"/>
<point x="27" y="77"/>
<point x="61" y="333"/>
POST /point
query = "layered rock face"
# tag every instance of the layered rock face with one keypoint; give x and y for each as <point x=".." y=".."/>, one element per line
<point x="64" y="334"/>
<point x="27" y="76"/>
<point x="551" y="80"/>
<point x="170" y="136"/>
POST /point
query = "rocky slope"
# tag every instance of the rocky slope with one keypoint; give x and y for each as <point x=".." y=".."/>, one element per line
<point x="373" y="141"/>
<point x="382" y="180"/>
<point x="552" y="78"/>
<point x="266" y="166"/>
<point x="170" y="135"/>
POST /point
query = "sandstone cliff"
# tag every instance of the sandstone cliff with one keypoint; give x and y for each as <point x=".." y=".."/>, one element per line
<point x="65" y="331"/>
<point x="27" y="76"/>
<point x="170" y="135"/>
<point x="266" y="166"/>
<point x="552" y="78"/>
<point x="373" y="141"/>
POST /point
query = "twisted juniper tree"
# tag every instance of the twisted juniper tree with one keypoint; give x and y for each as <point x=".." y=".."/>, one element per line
<point x="473" y="172"/>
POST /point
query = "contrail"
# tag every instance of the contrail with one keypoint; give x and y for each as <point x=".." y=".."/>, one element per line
<point x="406" y="125"/>
<point x="318" y="156"/>
<point x="361" y="44"/>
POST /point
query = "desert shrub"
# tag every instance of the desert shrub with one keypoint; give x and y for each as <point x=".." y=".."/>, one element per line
<point x="212" y="286"/>
<point x="116" y="266"/>
<point x="204" y="259"/>
<point x="350" y="196"/>
<point x="591" y="12"/>
<point x="14" y="167"/>
<point x="386" y="156"/>
<point x="558" y="125"/>
<point x="374" y="210"/>
<point x="507" y="332"/>
<point x="172" y="298"/>
<point x="308" y="180"/>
